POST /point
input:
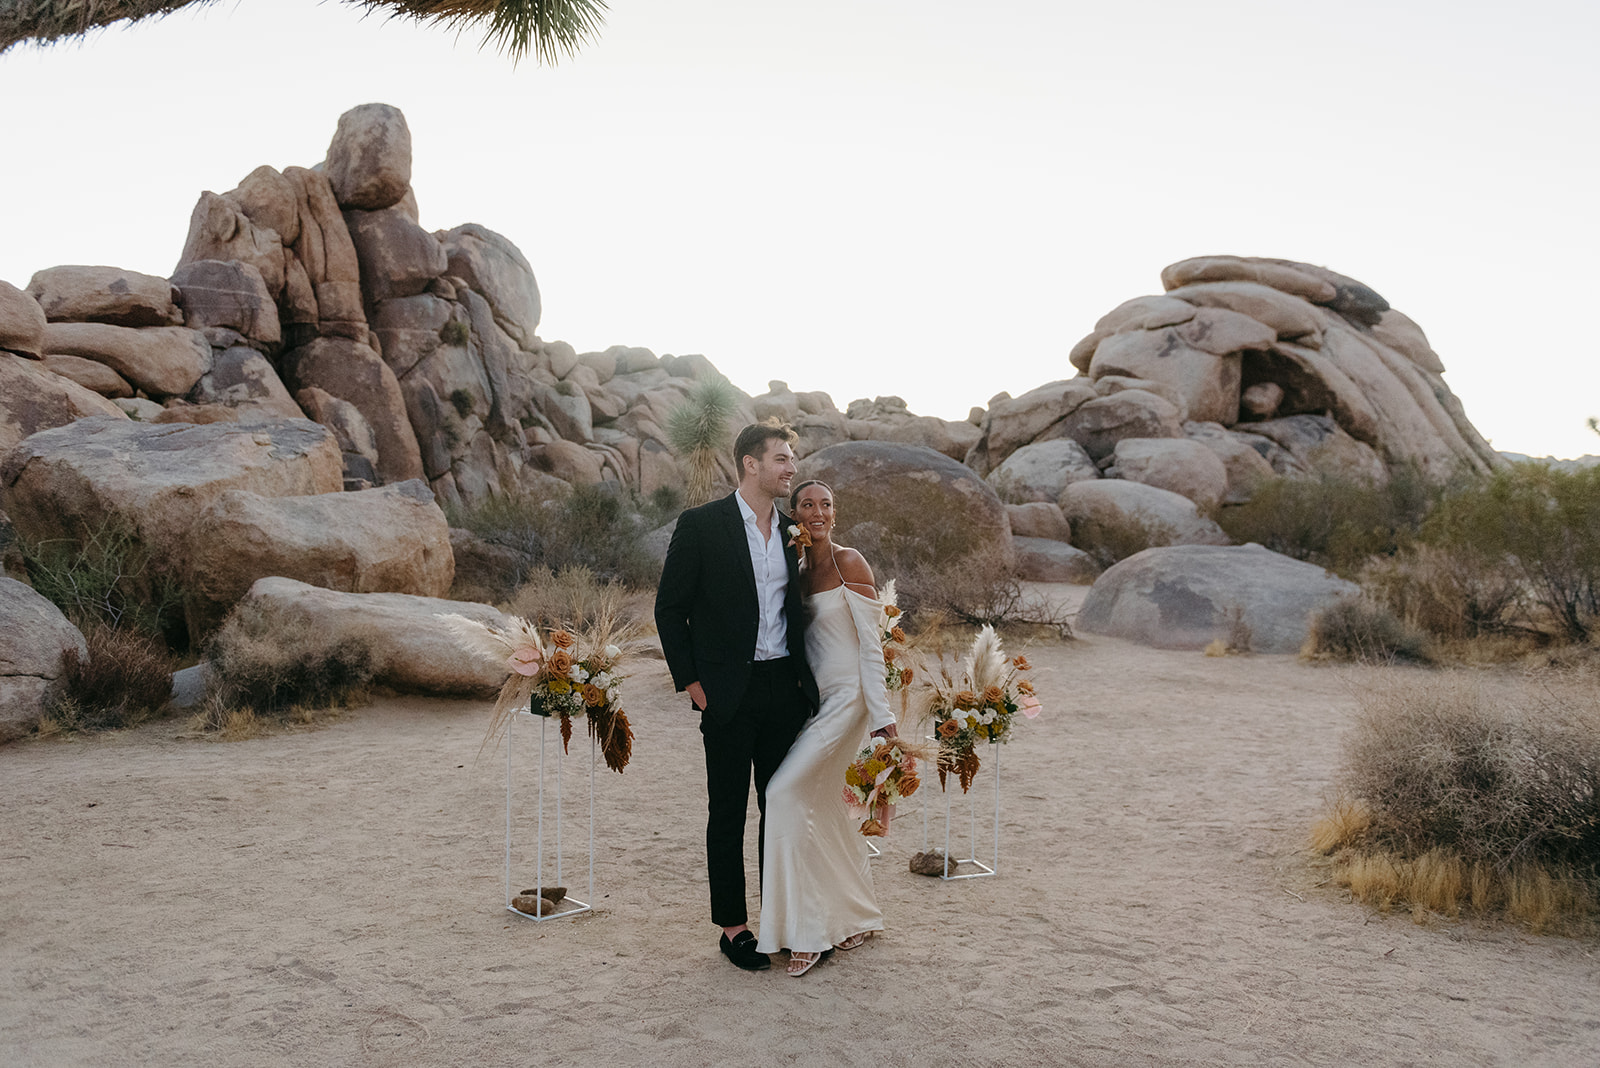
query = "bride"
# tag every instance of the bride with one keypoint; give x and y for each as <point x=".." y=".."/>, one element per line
<point x="816" y="886"/>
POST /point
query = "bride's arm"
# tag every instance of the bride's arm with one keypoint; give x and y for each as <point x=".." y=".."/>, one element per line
<point x="858" y="577"/>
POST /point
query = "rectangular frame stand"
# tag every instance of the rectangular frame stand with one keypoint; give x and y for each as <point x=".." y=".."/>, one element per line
<point x="567" y="906"/>
<point x="950" y="864"/>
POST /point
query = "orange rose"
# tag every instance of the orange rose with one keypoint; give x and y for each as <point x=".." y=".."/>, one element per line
<point x="1022" y="664"/>
<point x="897" y="635"/>
<point x="905" y="676"/>
<point x="992" y="695"/>
<point x="560" y="661"/>
<point x="889" y="652"/>
<point x="949" y="729"/>
<point x="966" y="699"/>
<point x="561" y="638"/>
<point x="1025" y="686"/>
<point x="891" y="611"/>
<point x="593" y="696"/>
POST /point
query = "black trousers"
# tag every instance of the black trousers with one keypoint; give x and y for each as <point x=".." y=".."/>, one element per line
<point x="755" y="740"/>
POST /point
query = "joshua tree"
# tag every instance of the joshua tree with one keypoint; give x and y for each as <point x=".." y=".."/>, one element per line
<point x="698" y="432"/>
<point x="547" y="28"/>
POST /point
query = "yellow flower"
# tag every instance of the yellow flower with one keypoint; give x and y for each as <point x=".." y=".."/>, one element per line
<point x="972" y="723"/>
<point x="852" y="775"/>
<point x="560" y="686"/>
<point x="873" y="767"/>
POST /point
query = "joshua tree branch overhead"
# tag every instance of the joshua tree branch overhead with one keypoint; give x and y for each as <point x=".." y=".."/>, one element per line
<point x="547" y="28"/>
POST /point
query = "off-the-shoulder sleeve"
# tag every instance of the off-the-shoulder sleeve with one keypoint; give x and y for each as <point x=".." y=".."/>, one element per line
<point x="866" y="612"/>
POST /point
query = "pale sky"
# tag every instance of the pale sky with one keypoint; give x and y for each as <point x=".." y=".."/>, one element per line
<point x="919" y="197"/>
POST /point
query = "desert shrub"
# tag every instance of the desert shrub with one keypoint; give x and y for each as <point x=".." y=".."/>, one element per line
<point x="1493" y="775"/>
<point x="1334" y="522"/>
<point x="1543" y="526"/>
<point x="106" y="578"/>
<point x="575" y="598"/>
<point x="1356" y="628"/>
<point x="977" y="589"/>
<point x="1449" y="591"/>
<point x="1109" y="543"/>
<point x="124" y="680"/>
<point x="272" y="665"/>
<point x="599" y="527"/>
<point x="456" y="333"/>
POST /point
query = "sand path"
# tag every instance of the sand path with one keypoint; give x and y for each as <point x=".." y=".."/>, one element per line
<point x="334" y="896"/>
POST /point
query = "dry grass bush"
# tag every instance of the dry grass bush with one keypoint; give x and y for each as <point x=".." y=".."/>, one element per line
<point x="125" y="680"/>
<point x="1111" y="543"/>
<point x="576" y="598"/>
<point x="1468" y="792"/>
<point x="1360" y="629"/>
<point x="1450" y="592"/>
<point x="977" y="590"/>
<point x="274" y="666"/>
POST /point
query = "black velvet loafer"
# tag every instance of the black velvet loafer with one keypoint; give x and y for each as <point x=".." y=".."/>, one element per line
<point x="742" y="951"/>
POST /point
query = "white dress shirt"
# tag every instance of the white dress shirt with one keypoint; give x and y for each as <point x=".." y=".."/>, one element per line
<point x="772" y="582"/>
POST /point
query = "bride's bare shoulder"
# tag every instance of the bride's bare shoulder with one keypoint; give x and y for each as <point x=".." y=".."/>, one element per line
<point x="856" y="573"/>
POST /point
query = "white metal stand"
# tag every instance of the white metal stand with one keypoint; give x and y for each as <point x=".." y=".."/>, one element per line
<point x="567" y="906"/>
<point x="950" y="865"/>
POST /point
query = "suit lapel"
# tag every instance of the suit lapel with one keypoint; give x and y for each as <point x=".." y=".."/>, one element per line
<point x="741" y="542"/>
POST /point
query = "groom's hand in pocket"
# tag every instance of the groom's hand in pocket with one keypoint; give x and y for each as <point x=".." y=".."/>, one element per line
<point x="697" y="696"/>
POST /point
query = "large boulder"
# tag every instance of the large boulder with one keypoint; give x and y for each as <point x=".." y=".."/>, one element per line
<point x="389" y="540"/>
<point x="369" y="158"/>
<point x="398" y="258"/>
<point x="1185" y="597"/>
<point x="89" y="374"/>
<point x="219" y="230"/>
<point x="1316" y="446"/>
<point x="1012" y="422"/>
<point x="1100" y="423"/>
<point x="163" y="361"/>
<point x="21" y="322"/>
<point x="356" y="443"/>
<point x="327" y="257"/>
<point x="412" y="650"/>
<point x="228" y="295"/>
<point x="1038" y="519"/>
<point x="34" y="399"/>
<point x="1181" y="465"/>
<point x="1207" y="382"/>
<point x="242" y="378"/>
<point x="888" y="419"/>
<point x="153" y="482"/>
<point x="37" y="637"/>
<point x="1246" y="466"/>
<point x="496" y="269"/>
<point x="910" y="494"/>
<point x="92" y="294"/>
<point x="1039" y="472"/>
<point x="351" y="371"/>
<point x="271" y="201"/>
<point x="1047" y="560"/>
<point x="1113" y="518"/>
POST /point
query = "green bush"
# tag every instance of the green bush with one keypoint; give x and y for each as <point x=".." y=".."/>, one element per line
<point x="123" y="681"/>
<point x="107" y="578"/>
<point x="1359" y="629"/>
<point x="1542" y="525"/>
<point x="599" y="527"/>
<point x="1333" y="522"/>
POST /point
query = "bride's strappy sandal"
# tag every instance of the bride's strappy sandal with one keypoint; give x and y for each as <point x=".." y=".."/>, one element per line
<point x="800" y="963"/>
<point x="853" y="941"/>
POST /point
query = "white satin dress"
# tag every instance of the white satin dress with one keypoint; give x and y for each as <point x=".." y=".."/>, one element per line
<point x="816" y="889"/>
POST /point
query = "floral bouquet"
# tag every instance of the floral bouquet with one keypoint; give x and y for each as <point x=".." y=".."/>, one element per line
<point x="977" y="705"/>
<point x="881" y="775"/>
<point x="897" y="672"/>
<point x="567" y="676"/>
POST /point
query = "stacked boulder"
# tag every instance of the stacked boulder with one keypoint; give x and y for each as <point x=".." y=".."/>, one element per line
<point x="1243" y="370"/>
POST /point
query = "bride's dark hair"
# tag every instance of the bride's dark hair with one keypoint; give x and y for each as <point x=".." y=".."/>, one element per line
<point x="794" y="494"/>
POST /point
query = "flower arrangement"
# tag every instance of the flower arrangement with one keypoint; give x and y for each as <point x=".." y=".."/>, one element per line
<point x="881" y="775"/>
<point x="897" y="670"/>
<point x="566" y="677"/>
<point x="799" y="538"/>
<point x="977" y="704"/>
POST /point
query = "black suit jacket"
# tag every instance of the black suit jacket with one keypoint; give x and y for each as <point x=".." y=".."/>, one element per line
<point x="706" y="608"/>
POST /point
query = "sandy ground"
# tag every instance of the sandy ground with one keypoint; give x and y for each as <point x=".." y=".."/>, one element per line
<point x="335" y="896"/>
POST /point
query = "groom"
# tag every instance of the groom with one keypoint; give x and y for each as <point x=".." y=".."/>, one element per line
<point x="733" y="631"/>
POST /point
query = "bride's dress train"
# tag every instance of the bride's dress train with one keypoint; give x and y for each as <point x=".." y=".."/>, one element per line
<point x="816" y="887"/>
